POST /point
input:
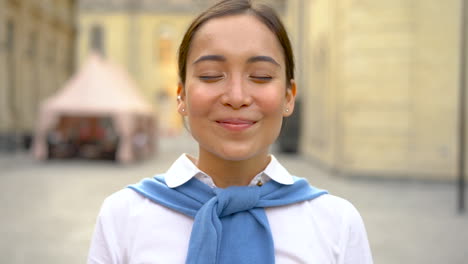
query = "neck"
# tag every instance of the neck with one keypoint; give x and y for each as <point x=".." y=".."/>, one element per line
<point x="227" y="173"/>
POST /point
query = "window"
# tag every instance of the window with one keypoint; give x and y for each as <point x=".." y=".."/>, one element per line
<point x="165" y="52"/>
<point x="97" y="39"/>
<point x="51" y="52"/>
<point x="31" y="50"/>
<point x="11" y="68"/>
<point x="10" y="35"/>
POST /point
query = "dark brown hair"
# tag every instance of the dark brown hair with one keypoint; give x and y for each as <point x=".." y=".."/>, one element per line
<point x="234" y="7"/>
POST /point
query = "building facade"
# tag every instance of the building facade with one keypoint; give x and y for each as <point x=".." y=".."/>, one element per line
<point x="378" y="80"/>
<point x="36" y="58"/>
<point x="383" y="87"/>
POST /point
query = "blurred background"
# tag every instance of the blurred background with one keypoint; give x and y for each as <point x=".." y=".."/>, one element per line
<point x="87" y="106"/>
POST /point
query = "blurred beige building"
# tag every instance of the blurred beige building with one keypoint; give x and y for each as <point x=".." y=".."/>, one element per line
<point x="381" y="89"/>
<point x="378" y="79"/>
<point x="36" y="48"/>
<point x="143" y="37"/>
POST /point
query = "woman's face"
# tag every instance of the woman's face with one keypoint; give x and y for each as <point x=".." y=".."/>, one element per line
<point x="235" y="94"/>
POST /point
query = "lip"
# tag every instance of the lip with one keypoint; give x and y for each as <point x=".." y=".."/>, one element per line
<point x="236" y="124"/>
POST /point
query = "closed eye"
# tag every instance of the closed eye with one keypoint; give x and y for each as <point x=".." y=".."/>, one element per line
<point x="261" y="79"/>
<point x="210" y="78"/>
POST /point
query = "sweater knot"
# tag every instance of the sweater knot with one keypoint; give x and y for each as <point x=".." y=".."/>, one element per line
<point x="236" y="199"/>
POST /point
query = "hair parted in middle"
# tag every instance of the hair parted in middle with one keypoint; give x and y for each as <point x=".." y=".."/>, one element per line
<point x="262" y="12"/>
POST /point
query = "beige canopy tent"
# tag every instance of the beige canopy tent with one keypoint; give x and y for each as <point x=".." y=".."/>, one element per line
<point x="101" y="89"/>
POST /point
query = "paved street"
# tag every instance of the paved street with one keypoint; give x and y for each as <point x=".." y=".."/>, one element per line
<point x="49" y="208"/>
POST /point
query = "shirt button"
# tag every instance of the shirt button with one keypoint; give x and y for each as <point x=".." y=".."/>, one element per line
<point x="259" y="183"/>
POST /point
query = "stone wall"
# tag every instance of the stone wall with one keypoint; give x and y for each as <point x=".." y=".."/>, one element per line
<point x="383" y="85"/>
<point x="159" y="6"/>
<point x="36" y="58"/>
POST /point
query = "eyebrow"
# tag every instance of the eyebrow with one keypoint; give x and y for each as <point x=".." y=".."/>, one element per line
<point x="221" y="58"/>
<point x="210" y="58"/>
<point x="262" y="58"/>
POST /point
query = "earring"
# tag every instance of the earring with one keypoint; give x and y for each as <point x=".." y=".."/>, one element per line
<point x="287" y="110"/>
<point x="183" y="109"/>
<point x="178" y="98"/>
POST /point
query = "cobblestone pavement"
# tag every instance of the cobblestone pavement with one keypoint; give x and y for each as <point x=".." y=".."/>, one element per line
<point x="49" y="208"/>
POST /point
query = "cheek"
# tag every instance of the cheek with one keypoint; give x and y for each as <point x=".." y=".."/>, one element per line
<point x="198" y="101"/>
<point x="272" y="102"/>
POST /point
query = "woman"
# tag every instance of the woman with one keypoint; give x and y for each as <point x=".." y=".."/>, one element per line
<point x="234" y="203"/>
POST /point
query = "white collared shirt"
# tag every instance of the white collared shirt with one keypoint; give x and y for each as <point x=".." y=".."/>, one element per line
<point x="183" y="169"/>
<point x="132" y="229"/>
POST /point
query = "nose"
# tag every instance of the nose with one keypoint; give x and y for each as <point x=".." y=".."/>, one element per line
<point x="236" y="94"/>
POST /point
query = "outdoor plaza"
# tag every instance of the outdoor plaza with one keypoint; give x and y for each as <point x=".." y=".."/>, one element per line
<point x="49" y="208"/>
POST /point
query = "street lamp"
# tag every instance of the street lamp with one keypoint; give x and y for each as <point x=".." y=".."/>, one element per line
<point x="462" y="111"/>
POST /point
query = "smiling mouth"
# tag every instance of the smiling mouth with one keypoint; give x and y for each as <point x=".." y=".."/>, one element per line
<point x="236" y="124"/>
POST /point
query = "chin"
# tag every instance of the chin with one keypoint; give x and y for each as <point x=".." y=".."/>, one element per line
<point x="235" y="157"/>
<point x="238" y="153"/>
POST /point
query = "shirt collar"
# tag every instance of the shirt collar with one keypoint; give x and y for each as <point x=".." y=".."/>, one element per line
<point x="183" y="169"/>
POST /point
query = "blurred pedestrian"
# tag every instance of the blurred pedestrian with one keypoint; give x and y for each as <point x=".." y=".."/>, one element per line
<point x="234" y="203"/>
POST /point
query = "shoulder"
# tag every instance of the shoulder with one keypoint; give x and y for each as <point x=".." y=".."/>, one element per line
<point x="327" y="206"/>
<point x="127" y="203"/>
<point x="129" y="206"/>
<point x="128" y="224"/>
<point x="117" y="208"/>
<point x="122" y="200"/>
<point x="330" y="214"/>
<point x="110" y="234"/>
<point x="327" y="210"/>
<point x="332" y="206"/>
<point x="334" y="210"/>
<point x="329" y="226"/>
<point x="123" y="196"/>
<point x="341" y="218"/>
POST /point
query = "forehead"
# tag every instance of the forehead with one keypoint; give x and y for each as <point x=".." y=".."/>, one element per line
<point x="235" y="35"/>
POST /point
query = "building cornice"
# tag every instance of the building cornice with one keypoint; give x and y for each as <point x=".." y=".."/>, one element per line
<point x="157" y="6"/>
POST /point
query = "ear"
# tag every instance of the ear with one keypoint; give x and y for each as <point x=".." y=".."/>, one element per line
<point x="181" y="106"/>
<point x="290" y="99"/>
